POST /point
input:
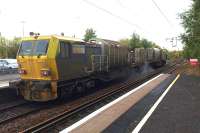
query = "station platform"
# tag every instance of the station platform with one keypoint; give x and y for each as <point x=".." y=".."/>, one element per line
<point x="4" y="84"/>
<point x="179" y="112"/>
<point x="6" y="78"/>
<point x="125" y="113"/>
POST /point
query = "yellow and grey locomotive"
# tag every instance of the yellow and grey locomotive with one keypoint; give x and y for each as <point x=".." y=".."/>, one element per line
<point x="53" y="66"/>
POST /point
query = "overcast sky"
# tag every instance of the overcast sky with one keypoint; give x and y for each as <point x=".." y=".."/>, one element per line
<point x="111" y="19"/>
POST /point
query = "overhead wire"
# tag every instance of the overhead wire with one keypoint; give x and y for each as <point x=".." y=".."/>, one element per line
<point x="120" y="3"/>
<point x="167" y="20"/>
<point x="141" y="29"/>
<point x="162" y="13"/>
<point x="112" y="14"/>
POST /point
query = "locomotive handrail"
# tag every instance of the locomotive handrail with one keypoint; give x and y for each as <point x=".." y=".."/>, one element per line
<point x="100" y="61"/>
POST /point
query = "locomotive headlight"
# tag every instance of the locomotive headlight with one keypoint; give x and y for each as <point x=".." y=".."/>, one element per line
<point x="22" y="71"/>
<point x="45" y="72"/>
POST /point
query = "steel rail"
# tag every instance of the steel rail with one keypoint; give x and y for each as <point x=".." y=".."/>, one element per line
<point x="49" y="123"/>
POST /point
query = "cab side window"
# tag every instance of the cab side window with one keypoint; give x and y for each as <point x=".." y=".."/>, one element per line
<point x="78" y="49"/>
<point x="64" y="49"/>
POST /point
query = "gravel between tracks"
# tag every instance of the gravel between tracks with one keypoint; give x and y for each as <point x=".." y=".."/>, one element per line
<point x="25" y="122"/>
<point x="34" y="118"/>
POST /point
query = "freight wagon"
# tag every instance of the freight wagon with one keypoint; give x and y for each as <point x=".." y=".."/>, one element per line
<point x="156" y="57"/>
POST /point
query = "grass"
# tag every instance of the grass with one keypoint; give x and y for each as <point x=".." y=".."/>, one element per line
<point x="189" y="69"/>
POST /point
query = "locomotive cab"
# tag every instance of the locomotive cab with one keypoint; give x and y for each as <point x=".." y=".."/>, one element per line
<point x="33" y="60"/>
<point x="37" y="68"/>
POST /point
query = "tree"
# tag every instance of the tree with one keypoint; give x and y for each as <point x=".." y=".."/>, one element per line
<point x="124" y="41"/>
<point x="153" y="45"/>
<point x="136" y="42"/>
<point x="9" y="47"/>
<point x="191" y="37"/>
<point x="13" y="47"/>
<point x="89" y="33"/>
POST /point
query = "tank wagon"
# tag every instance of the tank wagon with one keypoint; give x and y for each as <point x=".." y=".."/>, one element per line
<point x="51" y="66"/>
<point x="137" y="57"/>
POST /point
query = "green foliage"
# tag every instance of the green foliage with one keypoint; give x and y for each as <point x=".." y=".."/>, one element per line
<point x="89" y="33"/>
<point x="137" y="42"/>
<point x="191" y="37"/>
<point x="145" y="43"/>
<point x="124" y="42"/>
<point x="8" y="48"/>
<point x="173" y="55"/>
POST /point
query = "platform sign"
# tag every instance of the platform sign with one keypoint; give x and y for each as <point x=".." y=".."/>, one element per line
<point x="194" y="62"/>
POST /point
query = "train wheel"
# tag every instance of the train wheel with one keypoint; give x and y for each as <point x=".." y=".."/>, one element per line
<point x="60" y="94"/>
<point x="90" y="84"/>
<point x="80" y="88"/>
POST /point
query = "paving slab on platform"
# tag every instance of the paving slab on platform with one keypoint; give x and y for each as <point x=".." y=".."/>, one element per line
<point x="129" y="120"/>
<point x="4" y="84"/>
<point x="6" y="78"/>
<point x="102" y="120"/>
<point x="179" y="112"/>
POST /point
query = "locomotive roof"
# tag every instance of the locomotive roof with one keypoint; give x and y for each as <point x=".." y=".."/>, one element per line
<point x="51" y="36"/>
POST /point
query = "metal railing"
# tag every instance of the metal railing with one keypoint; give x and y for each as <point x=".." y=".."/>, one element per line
<point x="99" y="63"/>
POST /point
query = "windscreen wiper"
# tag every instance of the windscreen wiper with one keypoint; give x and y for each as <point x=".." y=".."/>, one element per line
<point x="38" y="56"/>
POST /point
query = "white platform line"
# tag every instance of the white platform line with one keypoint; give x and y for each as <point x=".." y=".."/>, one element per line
<point x="150" y="112"/>
<point x="85" y="119"/>
<point x="5" y="84"/>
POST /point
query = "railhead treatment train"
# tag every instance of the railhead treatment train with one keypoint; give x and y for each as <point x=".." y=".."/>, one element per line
<point x="53" y="66"/>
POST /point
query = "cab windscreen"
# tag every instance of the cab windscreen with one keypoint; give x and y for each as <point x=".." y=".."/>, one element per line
<point x="36" y="47"/>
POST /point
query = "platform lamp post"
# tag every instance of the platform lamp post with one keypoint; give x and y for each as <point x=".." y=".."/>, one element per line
<point x="23" y="24"/>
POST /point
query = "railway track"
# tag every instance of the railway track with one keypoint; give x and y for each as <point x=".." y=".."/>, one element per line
<point x="16" y="110"/>
<point x="10" y="105"/>
<point x="76" y="108"/>
<point x="175" y="67"/>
